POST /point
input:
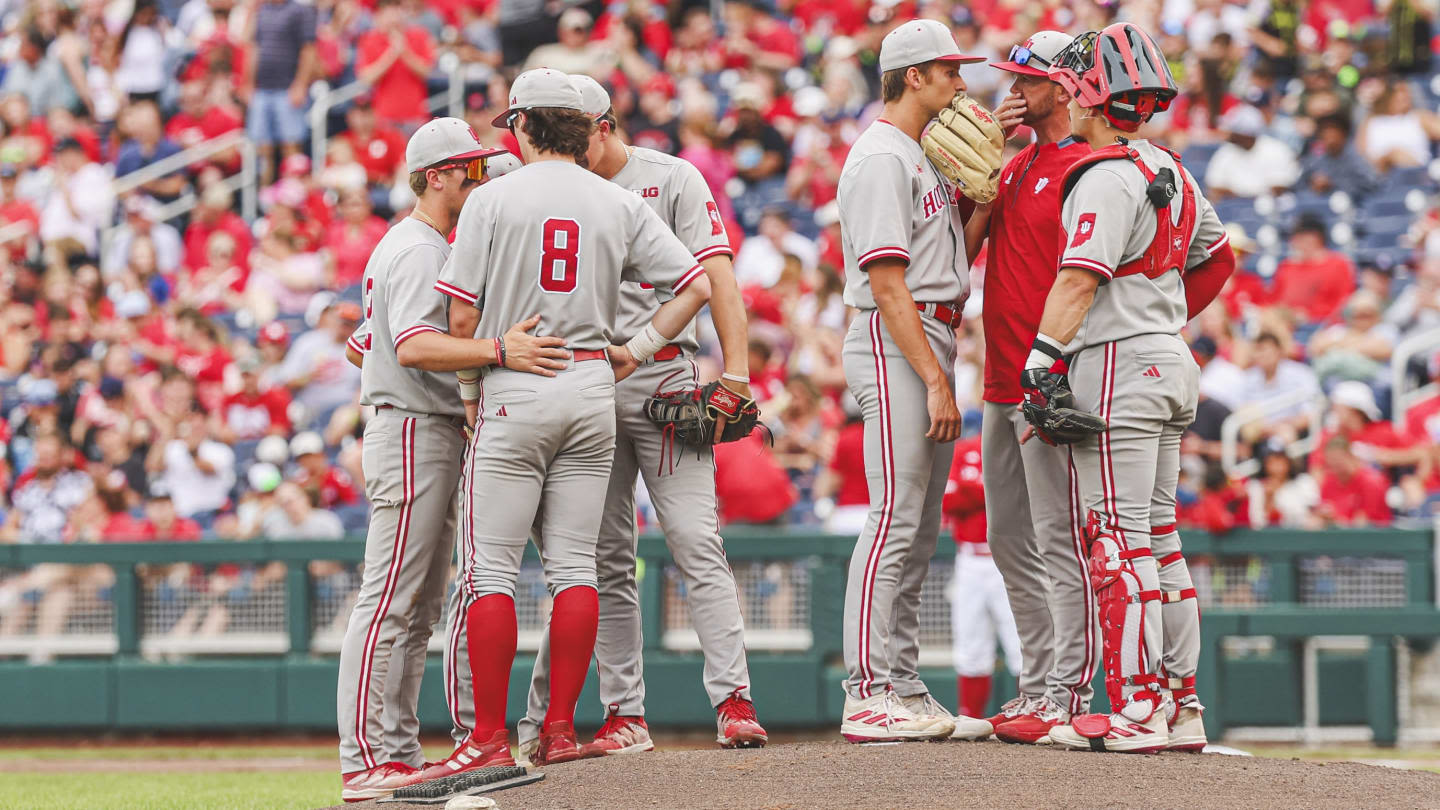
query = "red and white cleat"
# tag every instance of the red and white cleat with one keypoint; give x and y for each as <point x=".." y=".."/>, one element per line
<point x="375" y="783"/>
<point x="1033" y="727"/>
<point x="1187" y="727"/>
<point x="883" y="717"/>
<point x="737" y="725"/>
<point x="557" y="744"/>
<point x="1013" y="708"/>
<point x="619" y="735"/>
<point x="472" y="755"/>
<point x="1115" y="732"/>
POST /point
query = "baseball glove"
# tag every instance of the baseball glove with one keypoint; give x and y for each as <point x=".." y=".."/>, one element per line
<point x="690" y="414"/>
<point x="967" y="146"/>
<point x="1049" y="407"/>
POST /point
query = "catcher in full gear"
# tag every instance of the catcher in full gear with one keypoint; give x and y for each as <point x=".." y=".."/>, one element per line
<point x="1109" y="374"/>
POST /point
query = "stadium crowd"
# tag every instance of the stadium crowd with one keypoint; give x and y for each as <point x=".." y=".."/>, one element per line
<point x="173" y="376"/>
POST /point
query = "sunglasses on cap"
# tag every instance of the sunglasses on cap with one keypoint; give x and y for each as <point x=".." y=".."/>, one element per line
<point x="474" y="169"/>
<point x="1021" y="55"/>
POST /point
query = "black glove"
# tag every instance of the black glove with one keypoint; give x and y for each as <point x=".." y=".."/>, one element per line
<point x="1049" y="407"/>
<point x="690" y="414"/>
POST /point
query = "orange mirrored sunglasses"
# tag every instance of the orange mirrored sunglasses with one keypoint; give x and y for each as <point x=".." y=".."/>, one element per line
<point x="474" y="169"/>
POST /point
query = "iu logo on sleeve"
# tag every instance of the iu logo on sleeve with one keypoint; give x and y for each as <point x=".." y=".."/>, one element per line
<point x="1083" y="230"/>
<point x="717" y="227"/>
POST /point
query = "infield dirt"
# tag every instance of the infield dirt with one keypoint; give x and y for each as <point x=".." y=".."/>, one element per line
<point x="834" y="775"/>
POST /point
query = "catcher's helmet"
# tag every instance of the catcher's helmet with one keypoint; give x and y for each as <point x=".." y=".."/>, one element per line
<point x="1119" y="69"/>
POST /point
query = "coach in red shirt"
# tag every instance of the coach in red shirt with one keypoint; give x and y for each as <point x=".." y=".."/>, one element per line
<point x="1029" y="484"/>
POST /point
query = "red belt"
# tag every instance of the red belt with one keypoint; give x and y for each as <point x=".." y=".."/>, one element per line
<point x="669" y="352"/>
<point x="948" y="314"/>
<point x="581" y="355"/>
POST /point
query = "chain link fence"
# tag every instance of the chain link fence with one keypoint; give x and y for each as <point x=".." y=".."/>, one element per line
<point x="774" y="602"/>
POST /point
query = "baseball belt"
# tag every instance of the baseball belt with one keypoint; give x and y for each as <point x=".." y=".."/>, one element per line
<point x="947" y="313"/>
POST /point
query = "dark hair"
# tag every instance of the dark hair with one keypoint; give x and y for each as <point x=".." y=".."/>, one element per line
<point x="1309" y="223"/>
<point x="559" y="130"/>
<point x="892" y="82"/>
<point x="1269" y="337"/>
<point x="608" y="118"/>
<point x="1340" y="122"/>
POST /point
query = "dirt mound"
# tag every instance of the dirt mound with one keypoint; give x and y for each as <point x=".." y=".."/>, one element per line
<point x="833" y="775"/>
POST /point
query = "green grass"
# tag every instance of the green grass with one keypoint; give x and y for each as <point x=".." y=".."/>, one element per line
<point x="169" y="791"/>
<point x="173" y="752"/>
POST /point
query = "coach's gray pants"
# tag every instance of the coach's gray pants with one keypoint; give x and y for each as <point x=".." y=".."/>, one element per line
<point x="907" y="474"/>
<point x="412" y="464"/>
<point x="1036" y="539"/>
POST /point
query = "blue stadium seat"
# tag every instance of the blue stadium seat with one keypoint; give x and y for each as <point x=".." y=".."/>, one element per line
<point x="1407" y="178"/>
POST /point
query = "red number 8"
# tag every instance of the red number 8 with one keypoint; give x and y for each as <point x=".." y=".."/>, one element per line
<point x="559" y="255"/>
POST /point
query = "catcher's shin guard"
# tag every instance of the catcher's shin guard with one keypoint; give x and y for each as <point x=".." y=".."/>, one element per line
<point x="1130" y="665"/>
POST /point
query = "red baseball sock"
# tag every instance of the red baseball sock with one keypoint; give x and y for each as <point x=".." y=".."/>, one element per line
<point x="974" y="695"/>
<point x="572" y="641"/>
<point x="490" y="622"/>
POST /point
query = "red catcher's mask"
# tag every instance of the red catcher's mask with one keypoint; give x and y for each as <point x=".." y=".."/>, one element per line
<point x="1119" y="69"/>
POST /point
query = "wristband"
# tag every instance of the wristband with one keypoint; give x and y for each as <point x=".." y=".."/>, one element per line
<point x="500" y="352"/>
<point x="735" y="378"/>
<point x="1044" y="352"/>
<point x="644" y="345"/>
<point x="469" y="387"/>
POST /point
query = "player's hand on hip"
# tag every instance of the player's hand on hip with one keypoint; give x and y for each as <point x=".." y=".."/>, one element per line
<point x="1010" y="112"/>
<point x="536" y="354"/>
<point x="621" y="362"/>
<point x="944" y="414"/>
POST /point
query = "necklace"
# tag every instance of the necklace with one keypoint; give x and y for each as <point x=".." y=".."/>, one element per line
<point x="425" y="218"/>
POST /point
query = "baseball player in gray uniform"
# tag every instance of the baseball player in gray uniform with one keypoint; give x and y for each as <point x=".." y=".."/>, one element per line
<point x="906" y="271"/>
<point x="554" y="239"/>
<point x="412" y="454"/>
<point x="1137" y="230"/>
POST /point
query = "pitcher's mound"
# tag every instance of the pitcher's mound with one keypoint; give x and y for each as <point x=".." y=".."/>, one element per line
<point x="834" y="775"/>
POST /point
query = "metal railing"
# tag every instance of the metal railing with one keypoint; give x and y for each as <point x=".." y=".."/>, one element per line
<point x="245" y="182"/>
<point x="1259" y="412"/>
<point x="325" y="98"/>
<point x="1402" y="400"/>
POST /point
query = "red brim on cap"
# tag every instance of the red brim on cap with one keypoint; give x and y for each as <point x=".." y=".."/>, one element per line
<point x="1023" y="70"/>
<point x="499" y="121"/>
<point x="480" y="153"/>
<point x="961" y="58"/>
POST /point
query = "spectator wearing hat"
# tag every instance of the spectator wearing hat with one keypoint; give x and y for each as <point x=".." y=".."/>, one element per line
<point x="1313" y="280"/>
<point x="80" y="201"/>
<point x="1332" y="163"/>
<point x="758" y="149"/>
<point x="315" y="369"/>
<point x="279" y="77"/>
<point x="146" y="144"/>
<point x="327" y="485"/>
<point x="197" y="470"/>
<point x="214" y="214"/>
<point x="575" y="51"/>
<point x="1250" y="162"/>
<point x="1352" y="493"/>
<point x="395" y="58"/>
<point x="142" y="221"/>
<point x="1356" y="417"/>
<point x="1357" y="348"/>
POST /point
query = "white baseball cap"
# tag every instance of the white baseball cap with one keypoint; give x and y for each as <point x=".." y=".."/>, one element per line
<point x="920" y="41"/>
<point x="306" y="443"/>
<point x="593" y="98"/>
<point x="441" y="140"/>
<point x="501" y="165"/>
<point x="1034" y="56"/>
<point x="541" y="87"/>
<point x="1357" y="395"/>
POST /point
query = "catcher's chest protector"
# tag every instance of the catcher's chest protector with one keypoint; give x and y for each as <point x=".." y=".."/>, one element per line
<point x="1172" y="239"/>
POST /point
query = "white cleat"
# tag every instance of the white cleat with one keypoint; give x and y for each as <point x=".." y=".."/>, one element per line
<point x="1115" y="733"/>
<point x="966" y="728"/>
<point x="884" y="718"/>
<point x="525" y="753"/>
<point x="1187" y="728"/>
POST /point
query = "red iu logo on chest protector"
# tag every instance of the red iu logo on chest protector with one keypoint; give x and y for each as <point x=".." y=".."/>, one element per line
<point x="1167" y="251"/>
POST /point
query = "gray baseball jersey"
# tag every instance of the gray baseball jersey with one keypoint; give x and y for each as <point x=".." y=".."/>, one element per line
<point x="893" y="204"/>
<point x="1133" y="369"/>
<point x="683" y="491"/>
<point x="400" y="302"/>
<point x="674" y="189"/>
<point x="555" y="239"/>
<point x="1109" y="221"/>
<point x="412" y="453"/>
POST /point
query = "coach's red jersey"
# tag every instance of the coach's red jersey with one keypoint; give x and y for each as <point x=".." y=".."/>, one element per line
<point x="1024" y="253"/>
